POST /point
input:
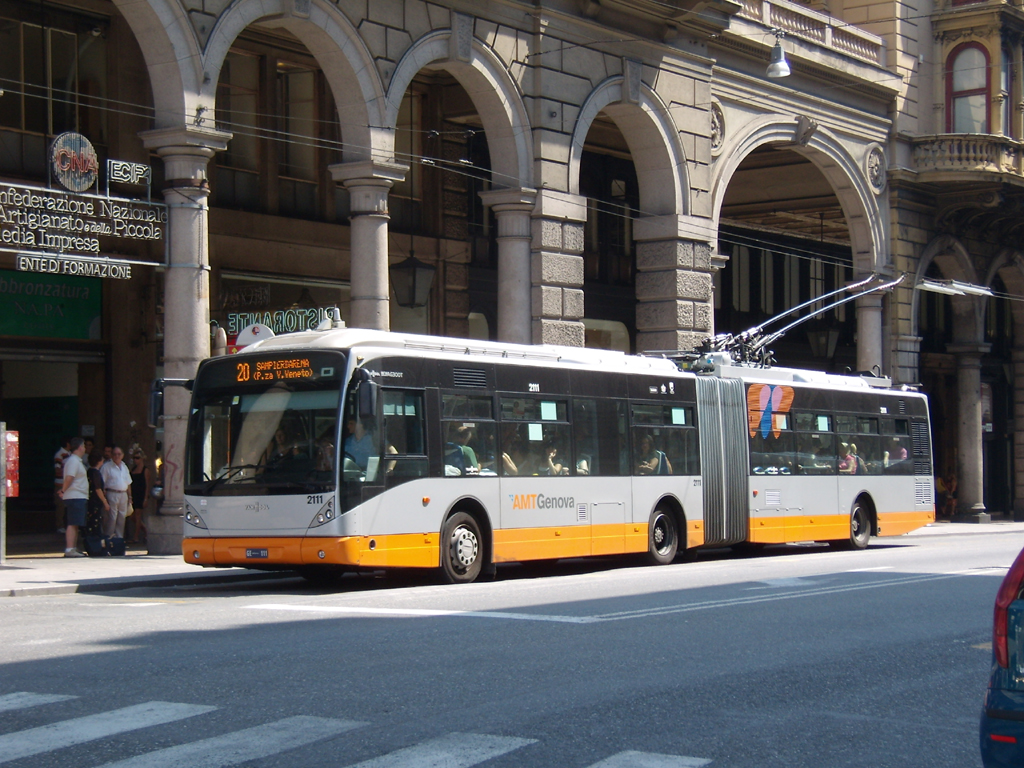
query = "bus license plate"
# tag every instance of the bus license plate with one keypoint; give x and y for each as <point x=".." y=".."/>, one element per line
<point x="257" y="553"/>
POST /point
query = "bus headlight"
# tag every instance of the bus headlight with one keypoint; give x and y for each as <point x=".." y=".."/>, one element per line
<point x="192" y="517"/>
<point x="325" y="515"/>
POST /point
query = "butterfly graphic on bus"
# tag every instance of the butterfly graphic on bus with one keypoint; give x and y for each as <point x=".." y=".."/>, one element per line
<point x="765" y="403"/>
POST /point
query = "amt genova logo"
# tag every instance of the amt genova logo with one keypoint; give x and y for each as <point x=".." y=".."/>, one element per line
<point x="540" y="501"/>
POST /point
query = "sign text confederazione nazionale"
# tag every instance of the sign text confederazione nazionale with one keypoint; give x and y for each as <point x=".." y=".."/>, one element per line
<point x="47" y="221"/>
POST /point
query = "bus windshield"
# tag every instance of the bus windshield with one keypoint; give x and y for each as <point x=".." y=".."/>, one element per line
<point x="270" y="435"/>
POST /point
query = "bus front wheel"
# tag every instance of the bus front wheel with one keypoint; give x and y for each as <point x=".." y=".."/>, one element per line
<point x="461" y="549"/>
<point x="662" y="537"/>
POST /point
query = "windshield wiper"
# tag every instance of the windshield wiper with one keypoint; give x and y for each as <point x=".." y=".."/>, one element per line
<point x="228" y="474"/>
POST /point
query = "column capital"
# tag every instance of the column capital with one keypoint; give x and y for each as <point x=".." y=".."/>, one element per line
<point x="514" y="199"/>
<point x="186" y="139"/>
<point x="369" y="173"/>
<point x="672" y="227"/>
<point x="968" y="350"/>
<point x="562" y="206"/>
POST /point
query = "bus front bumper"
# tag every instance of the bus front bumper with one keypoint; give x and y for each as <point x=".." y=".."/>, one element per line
<point x="411" y="550"/>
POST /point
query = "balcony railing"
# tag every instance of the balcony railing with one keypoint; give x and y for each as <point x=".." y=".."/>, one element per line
<point x="968" y="152"/>
<point x="820" y="28"/>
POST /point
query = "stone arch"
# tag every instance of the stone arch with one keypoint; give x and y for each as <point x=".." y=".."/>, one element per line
<point x="326" y="32"/>
<point x="868" y="237"/>
<point x="1009" y="265"/>
<point x="953" y="258"/>
<point x="491" y="89"/>
<point x="173" y="57"/>
<point x="653" y="141"/>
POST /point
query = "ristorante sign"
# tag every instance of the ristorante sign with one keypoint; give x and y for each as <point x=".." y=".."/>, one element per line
<point x="68" y="224"/>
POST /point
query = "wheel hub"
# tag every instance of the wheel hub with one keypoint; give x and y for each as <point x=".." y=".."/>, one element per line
<point x="465" y="547"/>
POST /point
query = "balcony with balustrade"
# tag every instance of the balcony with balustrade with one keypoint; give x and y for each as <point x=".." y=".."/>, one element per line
<point x="969" y="158"/>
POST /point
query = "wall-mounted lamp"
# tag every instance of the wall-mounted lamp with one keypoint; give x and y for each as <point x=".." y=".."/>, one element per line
<point x="411" y="280"/>
<point x="778" y="67"/>
<point x="953" y="288"/>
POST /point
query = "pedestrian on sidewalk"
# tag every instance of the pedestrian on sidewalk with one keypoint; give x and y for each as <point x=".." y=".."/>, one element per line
<point x="75" y="493"/>
<point x="97" y="508"/>
<point x="117" y="483"/>
<point x="142" y="479"/>
<point x="58" y="483"/>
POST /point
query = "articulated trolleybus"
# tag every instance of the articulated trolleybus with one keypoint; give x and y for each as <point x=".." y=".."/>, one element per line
<point x="346" y="449"/>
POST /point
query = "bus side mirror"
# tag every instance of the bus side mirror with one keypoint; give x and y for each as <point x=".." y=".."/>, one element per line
<point x="156" y="398"/>
<point x="368" y="400"/>
<point x="156" y="404"/>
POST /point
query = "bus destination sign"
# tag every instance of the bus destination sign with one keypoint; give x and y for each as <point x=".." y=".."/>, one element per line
<point x="260" y="370"/>
<point x="276" y="369"/>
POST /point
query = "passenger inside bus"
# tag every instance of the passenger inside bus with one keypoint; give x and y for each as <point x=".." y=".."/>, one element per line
<point x="513" y="451"/>
<point x="459" y="455"/>
<point x="651" y="461"/>
<point x="848" y="459"/>
<point x="553" y="462"/>
<point x="359" y="445"/>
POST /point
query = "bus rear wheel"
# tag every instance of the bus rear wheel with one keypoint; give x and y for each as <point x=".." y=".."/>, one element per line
<point x="860" y="528"/>
<point x="461" y="549"/>
<point x="662" y="537"/>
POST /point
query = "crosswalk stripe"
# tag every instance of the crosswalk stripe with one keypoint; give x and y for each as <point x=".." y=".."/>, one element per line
<point x="632" y="759"/>
<point x="24" y="699"/>
<point x="241" y="746"/>
<point x="455" y="750"/>
<point x="45" y="738"/>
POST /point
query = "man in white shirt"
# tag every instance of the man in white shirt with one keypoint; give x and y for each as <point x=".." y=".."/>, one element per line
<point x="117" y="483"/>
<point x="75" y="493"/>
<point x="58" y="482"/>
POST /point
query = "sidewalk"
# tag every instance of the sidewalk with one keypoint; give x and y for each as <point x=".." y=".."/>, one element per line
<point x="49" y="573"/>
<point x="45" y="571"/>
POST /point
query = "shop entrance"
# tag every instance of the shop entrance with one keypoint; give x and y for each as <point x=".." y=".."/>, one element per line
<point x="45" y="402"/>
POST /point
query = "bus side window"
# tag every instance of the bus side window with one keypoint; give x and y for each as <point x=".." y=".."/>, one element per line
<point x="404" y="443"/>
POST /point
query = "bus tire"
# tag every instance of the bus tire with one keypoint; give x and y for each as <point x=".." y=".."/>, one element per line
<point x="860" y="528"/>
<point x="462" y="550"/>
<point x="662" y="537"/>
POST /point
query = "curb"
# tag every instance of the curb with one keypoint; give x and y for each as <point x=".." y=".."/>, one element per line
<point x="114" y="585"/>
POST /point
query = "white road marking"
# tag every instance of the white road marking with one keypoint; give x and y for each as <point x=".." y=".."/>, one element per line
<point x="456" y="750"/>
<point x="45" y="738"/>
<point x="787" y="582"/>
<point x="423" y="612"/>
<point x="241" y="746"/>
<point x="619" y="615"/>
<point x="24" y="699"/>
<point x="632" y="759"/>
<point x="868" y="570"/>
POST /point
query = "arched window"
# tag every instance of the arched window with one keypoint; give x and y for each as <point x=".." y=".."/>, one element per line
<point x="967" y="90"/>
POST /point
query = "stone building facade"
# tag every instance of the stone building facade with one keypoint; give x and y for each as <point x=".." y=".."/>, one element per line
<point x="606" y="172"/>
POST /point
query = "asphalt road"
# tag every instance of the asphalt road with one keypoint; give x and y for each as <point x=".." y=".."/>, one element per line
<point x="798" y="657"/>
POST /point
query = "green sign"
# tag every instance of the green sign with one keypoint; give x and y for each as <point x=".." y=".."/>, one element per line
<point x="50" y="306"/>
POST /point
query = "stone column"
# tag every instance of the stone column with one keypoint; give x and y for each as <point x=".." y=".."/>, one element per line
<point x="970" y="458"/>
<point x="368" y="183"/>
<point x="1018" y="434"/>
<point x="674" y="288"/>
<point x="556" y="269"/>
<point x="513" y="209"/>
<point x="869" y="332"/>
<point x="906" y="368"/>
<point x="186" y="152"/>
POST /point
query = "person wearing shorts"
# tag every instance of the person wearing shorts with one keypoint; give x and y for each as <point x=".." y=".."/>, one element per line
<point x="75" y="493"/>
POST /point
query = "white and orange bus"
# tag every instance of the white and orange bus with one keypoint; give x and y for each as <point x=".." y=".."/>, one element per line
<point x="342" y="449"/>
